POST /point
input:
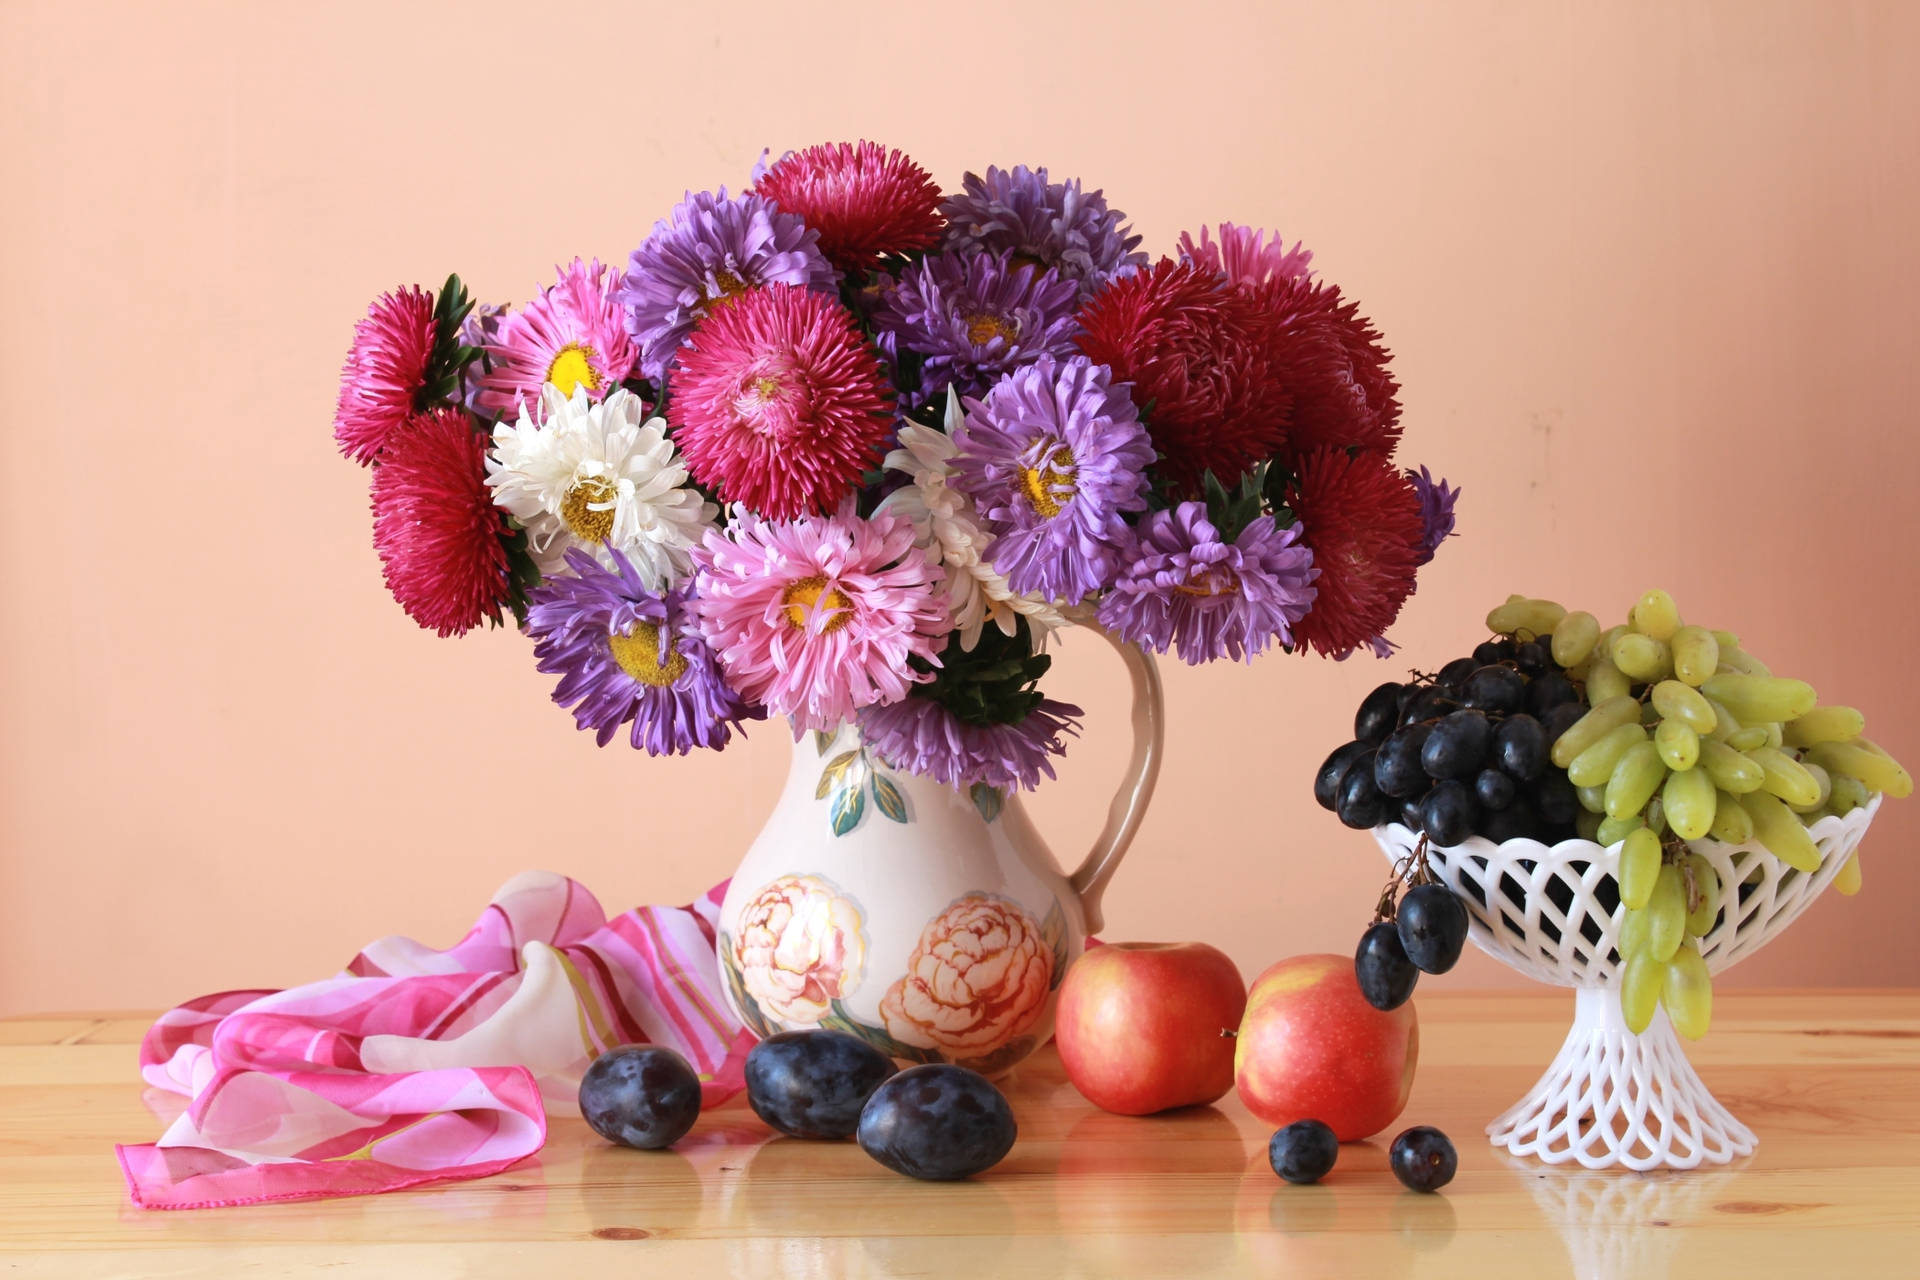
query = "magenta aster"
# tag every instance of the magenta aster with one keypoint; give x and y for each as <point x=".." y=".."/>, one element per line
<point x="572" y="335"/>
<point x="921" y="736"/>
<point x="1052" y="457"/>
<point x="817" y="618"/>
<point x="1245" y="256"/>
<point x="386" y="370"/>
<point x="864" y="200"/>
<point x="1184" y="587"/>
<point x="712" y="249"/>
<point x="779" y="403"/>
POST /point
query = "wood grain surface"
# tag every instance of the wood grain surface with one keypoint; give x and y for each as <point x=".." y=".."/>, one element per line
<point x="1829" y="1081"/>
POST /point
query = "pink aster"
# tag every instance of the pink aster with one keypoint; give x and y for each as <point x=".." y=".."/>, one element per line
<point x="385" y="371"/>
<point x="818" y="617"/>
<point x="572" y="335"/>
<point x="440" y="538"/>
<point x="1245" y="256"/>
<point x="779" y="403"/>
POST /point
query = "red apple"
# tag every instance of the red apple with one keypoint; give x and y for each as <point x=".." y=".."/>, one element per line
<point x="1146" y="1026"/>
<point x="1312" y="1048"/>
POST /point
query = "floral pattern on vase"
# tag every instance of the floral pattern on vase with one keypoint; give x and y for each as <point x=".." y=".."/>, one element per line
<point x="979" y="977"/>
<point x="801" y="945"/>
<point x="846" y="781"/>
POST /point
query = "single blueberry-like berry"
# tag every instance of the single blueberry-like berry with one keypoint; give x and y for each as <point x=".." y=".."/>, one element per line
<point x="1433" y="927"/>
<point x="1423" y="1158"/>
<point x="1381" y="967"/>
<point x="812" y="1084"/>
<point x="1304" y="1151"/>
<point x="937" y="1121"/>
<point x="640" y="1095"/>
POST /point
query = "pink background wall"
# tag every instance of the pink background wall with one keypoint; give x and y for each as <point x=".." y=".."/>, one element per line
<point x="1650" y="270"/>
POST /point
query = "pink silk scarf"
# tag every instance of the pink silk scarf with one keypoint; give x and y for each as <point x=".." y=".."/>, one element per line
<point x="416" y="1065"/>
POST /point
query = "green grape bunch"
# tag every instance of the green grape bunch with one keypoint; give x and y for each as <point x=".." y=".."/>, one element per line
<point x="1687" y="737"/>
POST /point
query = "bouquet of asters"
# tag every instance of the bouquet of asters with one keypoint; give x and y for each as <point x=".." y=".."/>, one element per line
<point x="843" y="447"/>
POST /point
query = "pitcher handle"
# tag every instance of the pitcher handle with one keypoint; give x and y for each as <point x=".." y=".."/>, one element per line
<point x="1129" y="805"/>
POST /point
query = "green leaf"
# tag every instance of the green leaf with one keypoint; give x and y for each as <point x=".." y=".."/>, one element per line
<point x="987" y="800"/>
<point x="848" y="806"/>
<point x="887" y="798"/>
<point x="835" y="771"/>
<point x="821" y="741"/>
<point x="840" y="1020"/>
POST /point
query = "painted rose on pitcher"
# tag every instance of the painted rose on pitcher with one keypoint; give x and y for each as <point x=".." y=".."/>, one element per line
<point x="979" y="977"/>
<point x="799" y="948"/>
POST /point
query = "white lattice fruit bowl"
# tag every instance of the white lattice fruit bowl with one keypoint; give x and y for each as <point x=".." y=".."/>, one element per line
<point x="1612" y="1099"/>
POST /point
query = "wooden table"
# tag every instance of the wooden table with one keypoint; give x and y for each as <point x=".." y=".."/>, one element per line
<point x="1830" y="1082"/>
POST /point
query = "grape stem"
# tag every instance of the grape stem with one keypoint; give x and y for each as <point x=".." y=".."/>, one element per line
<point x="1412" y="871"/>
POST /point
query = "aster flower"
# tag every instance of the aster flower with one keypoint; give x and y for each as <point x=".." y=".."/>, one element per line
<point x="385" y="372"/>
<point x="1436" y="511"/>
<point x="1184" y="586"/>
<point x="439" y="536"/>
<point x="572" y="335"/>
<point x="779" y="403"/>
<point x="596" y="475"/>
<point x="1331" y="361"/>
<point x="709" y="250"/>
<point x="626" y="653"/>
<point x="1245" y="256"/>
<point x="864" y="200"/>
<point x="818" y="617"/>
<point x="1055" y="224"/>
<point x="1362" y="519"/>
<point x="923" y="737"/>
<point x="1052" y="457"/>
<point x="1199" y="352"/>
<point x="975" y="316"/>
<point x="947" y="527"/>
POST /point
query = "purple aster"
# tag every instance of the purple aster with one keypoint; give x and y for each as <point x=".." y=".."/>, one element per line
<point x="1055" y="224"/>
<point x="624" y="653"/>
<point x="1436" y="513"/>
<point x="1182" y="587"/>
<point x="921" y="736"/>
<point x="975" y="316"/>
<point x="709" y="249"/>
<point x="1052" y="456"/>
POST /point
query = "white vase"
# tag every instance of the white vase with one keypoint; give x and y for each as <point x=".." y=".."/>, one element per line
<point x="931" y="922"/>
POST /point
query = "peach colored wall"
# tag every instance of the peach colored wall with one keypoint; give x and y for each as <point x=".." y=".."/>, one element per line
<point x="1650" y="269"/>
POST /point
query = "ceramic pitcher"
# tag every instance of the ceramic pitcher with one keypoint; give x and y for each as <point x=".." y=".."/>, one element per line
<point x="931" y="922"/>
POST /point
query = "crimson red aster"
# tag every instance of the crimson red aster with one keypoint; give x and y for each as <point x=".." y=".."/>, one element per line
<point x="435" y="525"/>
<point x="1361" y="516"/>
<point x="385" y="371"/>
<point x="863" y="199"/>
<point x="1201" y="363"/>
<point x="1331" y="361"/>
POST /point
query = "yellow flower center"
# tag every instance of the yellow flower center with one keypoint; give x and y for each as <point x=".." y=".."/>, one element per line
<point x="983" y="328"/>
<point x="573" y="367"/>
<point x="726" y="285"/>
<point x="588" y="508"/>
<point x="811" y="595"/>
<point x="638" y="654"/>
<point x="1210" y="582"/>
<point x="1048" y="487"/>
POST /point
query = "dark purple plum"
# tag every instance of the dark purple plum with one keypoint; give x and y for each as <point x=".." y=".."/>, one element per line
<point x="812" y="1084"/>
<point x="640" y="1095"/>
<point x="938" y="1122"/>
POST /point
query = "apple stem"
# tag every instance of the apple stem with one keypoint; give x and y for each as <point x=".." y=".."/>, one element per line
<point x="1228" y="1031"/>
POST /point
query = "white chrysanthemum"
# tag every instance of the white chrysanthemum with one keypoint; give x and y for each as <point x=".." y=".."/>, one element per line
<point x="596" y="476"/>
<point x="946" y="524"/>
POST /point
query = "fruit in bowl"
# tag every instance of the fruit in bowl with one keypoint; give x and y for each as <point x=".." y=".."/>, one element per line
<point x="1147" y="1026"/>
<point x="1312" y="1048"/>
